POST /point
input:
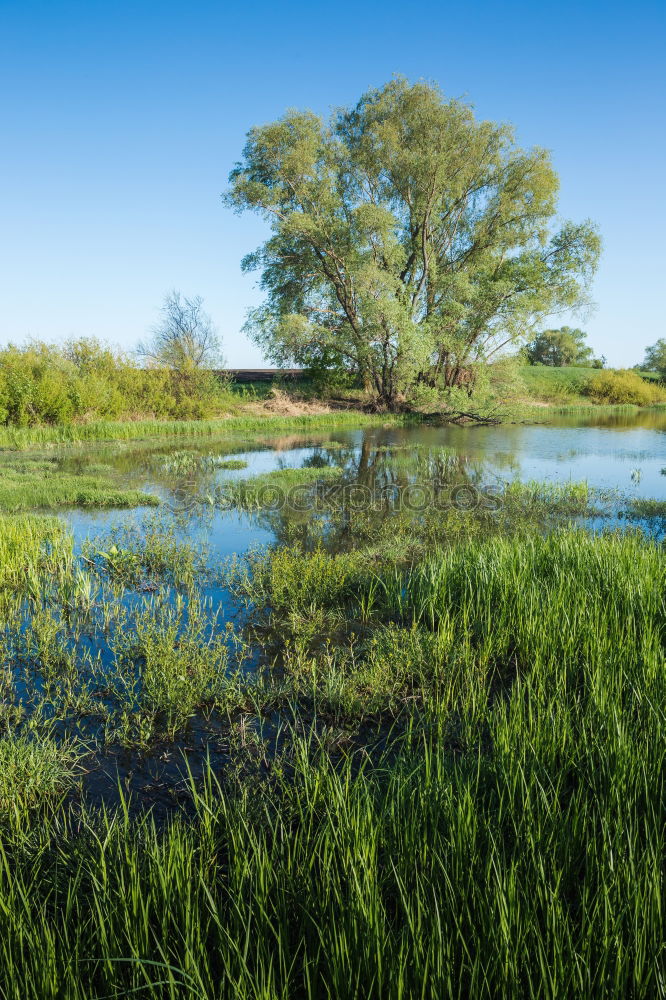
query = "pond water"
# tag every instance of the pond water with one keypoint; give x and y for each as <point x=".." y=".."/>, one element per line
<point x="625" y="453"/>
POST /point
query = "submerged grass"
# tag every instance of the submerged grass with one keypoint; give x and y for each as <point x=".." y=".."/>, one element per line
<point x="34" y="484"/>
<point x="147" y="554"/>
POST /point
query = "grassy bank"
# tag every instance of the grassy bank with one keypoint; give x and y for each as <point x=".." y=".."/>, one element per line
<point x="40" y="483"/>
<point x="23" y="438"/>
<point x="550" y="384"/>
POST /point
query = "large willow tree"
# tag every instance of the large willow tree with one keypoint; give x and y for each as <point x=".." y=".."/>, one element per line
<point x="409" y="241"/>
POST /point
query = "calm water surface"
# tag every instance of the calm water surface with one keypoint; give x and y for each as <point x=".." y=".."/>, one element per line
<point x="624" y="453"/>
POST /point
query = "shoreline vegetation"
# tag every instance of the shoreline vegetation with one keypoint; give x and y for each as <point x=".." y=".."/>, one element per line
<point x="85" y="391"/>
<point x="144" y="429"/>
<point x="252" y="420"/>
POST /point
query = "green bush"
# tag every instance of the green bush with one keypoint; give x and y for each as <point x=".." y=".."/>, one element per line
<point x="47" y="384"/>
<point x="623" y="387"/>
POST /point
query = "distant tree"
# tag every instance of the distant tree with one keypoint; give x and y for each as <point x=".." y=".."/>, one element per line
<point x="655" y="358"/>
<point x="409" y="241"/>
<point x="185" y="340"/>
<point x="565" y="346"/>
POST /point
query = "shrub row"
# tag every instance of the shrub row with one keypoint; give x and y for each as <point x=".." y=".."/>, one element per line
<point x="624" y="387"/>
<point x="46" y="384"/>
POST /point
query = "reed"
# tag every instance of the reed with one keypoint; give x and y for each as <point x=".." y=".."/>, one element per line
<point x="21" y="438"/>
<point x="33" y="551"/>
<point x="481" y="875"/>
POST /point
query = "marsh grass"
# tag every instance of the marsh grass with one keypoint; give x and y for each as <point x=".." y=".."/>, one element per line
<point x="36" y="553"/>
<point x="192" y="463"/>
<point x="33" y="484"/>
<point x="149" y="553"/>
<point x="35" y="771"/>
<point x="444" y="776"/>
<point x="22" y="438"/>
<point x="466" y="619"/>
<point x="481" y="875"/>
<point x="171" y="665"/>
<point x="271" y="489"/>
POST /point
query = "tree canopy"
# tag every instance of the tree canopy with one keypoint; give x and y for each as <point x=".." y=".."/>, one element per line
<point x="565" y="346"/>
<point x="655" y="358"/>
<point x="409" y="240"/>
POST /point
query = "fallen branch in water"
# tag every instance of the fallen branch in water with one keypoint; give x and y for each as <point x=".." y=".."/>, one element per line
<point x="461" y="415"/>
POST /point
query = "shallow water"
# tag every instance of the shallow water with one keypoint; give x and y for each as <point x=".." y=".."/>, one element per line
<point x="626" y="453"/>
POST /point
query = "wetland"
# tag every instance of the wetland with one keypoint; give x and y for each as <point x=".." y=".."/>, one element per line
<point x="304" y="713"/>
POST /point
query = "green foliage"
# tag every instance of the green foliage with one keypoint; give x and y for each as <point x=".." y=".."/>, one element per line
<point x="168" y="667"/>
<point x="623" y="387"/>
<point x="655" y="357"/>
<point x="295" y="581"/>
<point x="271" y="490"/>
<point x="565" y="346"/>
<point x="141" y="555"/>
<point x="506" y="840"/>
<point x="34" y="771"/>
<point x="408" y="239"/>
<point x="45" y="384"/>
<point x="33" y="550"/>
<point x="572" y="385"/>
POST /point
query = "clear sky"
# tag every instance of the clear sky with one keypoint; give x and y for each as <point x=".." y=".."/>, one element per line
<point x="119" y="123"/>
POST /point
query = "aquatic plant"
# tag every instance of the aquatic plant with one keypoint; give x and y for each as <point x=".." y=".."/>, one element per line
<point x="34" y="484"/>
<point x="35" y="771"/>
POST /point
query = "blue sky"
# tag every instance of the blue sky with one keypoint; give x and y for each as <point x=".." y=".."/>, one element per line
<point x="119" y="123"/>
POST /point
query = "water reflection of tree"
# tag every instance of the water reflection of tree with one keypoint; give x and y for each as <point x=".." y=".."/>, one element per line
<point x="384" y="465"/>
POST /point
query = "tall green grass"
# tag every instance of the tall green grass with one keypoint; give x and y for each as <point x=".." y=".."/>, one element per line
<point x="526" y="868"/>
<point x="20" y="438"/>
<point x="466" y="801"/>
<point x="33" y="551"/>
